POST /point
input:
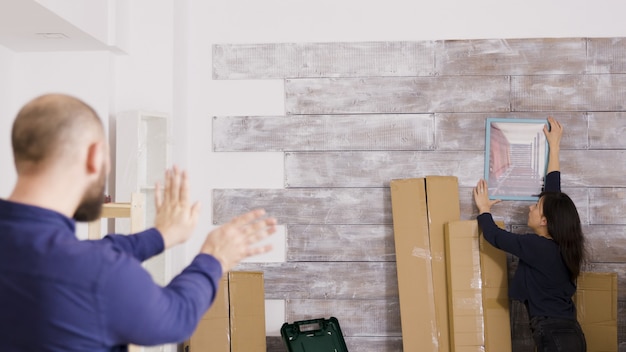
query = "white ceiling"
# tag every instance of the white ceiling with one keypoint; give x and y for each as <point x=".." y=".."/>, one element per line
<point x="24" y="23"/>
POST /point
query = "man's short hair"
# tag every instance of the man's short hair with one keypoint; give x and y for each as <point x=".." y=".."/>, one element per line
<point x="48" y="126"/>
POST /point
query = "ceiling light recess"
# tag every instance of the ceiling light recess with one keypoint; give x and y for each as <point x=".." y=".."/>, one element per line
<point x="53" y="35"/>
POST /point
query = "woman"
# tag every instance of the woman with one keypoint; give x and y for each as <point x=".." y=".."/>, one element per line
<point x="549" y="260"/>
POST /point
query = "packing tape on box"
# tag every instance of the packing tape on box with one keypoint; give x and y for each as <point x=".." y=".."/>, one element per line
<point x="421" y="253"/>
<point x="476" y="283"/>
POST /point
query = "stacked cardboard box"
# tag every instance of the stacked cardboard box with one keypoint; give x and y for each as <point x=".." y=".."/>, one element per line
<point x="414" y="265"/>
<point x="236" y="320"/>
<point x="453" y="285"/>
<point x="442" y="193"/>
<point x="478" y="297"/>
<point x="421" y="209"/>
<point x="596" y="304"/>
<point x="495" y="284"/>
<point x="466" y="296"/>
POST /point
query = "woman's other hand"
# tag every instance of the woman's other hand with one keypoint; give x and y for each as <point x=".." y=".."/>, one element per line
<point x="481" y="197"/>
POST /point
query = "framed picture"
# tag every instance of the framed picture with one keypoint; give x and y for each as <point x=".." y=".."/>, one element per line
<point x="516" y="158"/>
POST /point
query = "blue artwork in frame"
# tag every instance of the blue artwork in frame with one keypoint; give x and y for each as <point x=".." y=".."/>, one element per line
<point x="516" y="158"/>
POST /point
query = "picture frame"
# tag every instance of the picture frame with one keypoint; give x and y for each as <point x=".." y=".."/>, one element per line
<point x="516" y="158"/>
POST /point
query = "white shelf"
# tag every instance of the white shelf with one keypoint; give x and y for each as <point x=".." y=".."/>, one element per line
<point x="142" y="155"/>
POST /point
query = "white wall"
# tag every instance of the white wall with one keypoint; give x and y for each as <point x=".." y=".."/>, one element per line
<point x="85" y="75"/>
<point x="7" y="171"/>
<point x="353" y="20"/>
<point x="143" y="78"/>
<point x="168" y="68"/>
<point x="250" y="21"/>
<point x="173" y="74"/>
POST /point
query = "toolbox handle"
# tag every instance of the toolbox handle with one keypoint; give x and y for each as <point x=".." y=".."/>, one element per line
<point x="308" y="326"/>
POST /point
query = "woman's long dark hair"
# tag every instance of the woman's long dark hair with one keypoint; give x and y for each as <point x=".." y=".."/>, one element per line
<point x="565" y="229"/>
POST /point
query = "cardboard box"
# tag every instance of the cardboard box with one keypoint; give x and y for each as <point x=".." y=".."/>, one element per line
<point x="478" y="285"/>
<point x="495" y="285"/>
<point x="236" y="320"/>
<point x="596" y="304"/>
<point x="213" y="329"/>
<point x="414" y="266"/>
<point x="247" y="312"/>
<point x="442" y="202"/>
<point x="464" y="280"/>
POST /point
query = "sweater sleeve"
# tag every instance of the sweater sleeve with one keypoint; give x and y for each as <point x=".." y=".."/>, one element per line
<point x="504" y="240"/>
<point x="138" y="311"/>
<point x="553" y="182"/>
<point x="141" y="246"/>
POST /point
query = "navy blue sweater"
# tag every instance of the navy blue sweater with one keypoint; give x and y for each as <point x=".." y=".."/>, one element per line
<point x="61" y="294"/>
<point x="542" y="280"/>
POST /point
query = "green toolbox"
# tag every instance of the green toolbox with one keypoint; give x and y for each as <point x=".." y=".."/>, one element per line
<point x="316" y="335"/>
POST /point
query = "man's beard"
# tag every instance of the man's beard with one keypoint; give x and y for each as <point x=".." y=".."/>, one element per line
<point x="90" y="207"/>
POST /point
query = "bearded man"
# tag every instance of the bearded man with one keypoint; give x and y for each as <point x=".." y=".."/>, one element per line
<point x="58" y="293"/>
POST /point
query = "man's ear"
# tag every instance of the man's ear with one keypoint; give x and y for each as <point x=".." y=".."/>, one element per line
<point x="95" y="158"/>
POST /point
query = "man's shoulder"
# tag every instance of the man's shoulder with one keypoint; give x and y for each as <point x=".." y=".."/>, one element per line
<point x="76" y="263"/>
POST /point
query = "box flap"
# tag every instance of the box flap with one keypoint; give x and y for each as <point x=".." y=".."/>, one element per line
<point x="414" y="266"/>
<point x="464" y="283"/>
<point x="442" y="199"/>
<point x="247" y="311"/>
<point x="213" y="331"/>
<point x="596" y="306"/>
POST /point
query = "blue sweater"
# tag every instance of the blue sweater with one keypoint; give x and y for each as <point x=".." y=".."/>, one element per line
<point x="61" y="294"/>
<point x="542" y="280"/>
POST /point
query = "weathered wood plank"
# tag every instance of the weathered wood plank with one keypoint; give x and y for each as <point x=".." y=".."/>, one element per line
<point x="594" y="168"/>
<point x="275" y="344"/>
<point x="327" y="280"/>
<point x="335" y="243"/>
<point x="324" y="132"/>
<point x="360" y="344"/>
<point x="602" y="92"/>
<point x="345" y="206"/>
<point x="466" y="131"/>
<point x="397" y="95"/>
<point x="374" y="344"/>
<point x="376" y="169"/>
<point x="516" y="212"/>
<point x="606" y="55"/>
<point x="511" y="56"/>
<point x="359" y="206"/>
<point x="299" y="60"/>
<point x="606" y="243"/>
<point x="607" y="206"/>
<point x="607" y="130"/>
<point x="356" y="317"/>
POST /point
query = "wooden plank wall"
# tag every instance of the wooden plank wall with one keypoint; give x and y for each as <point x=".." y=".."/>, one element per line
<point x="361" y="114"/>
